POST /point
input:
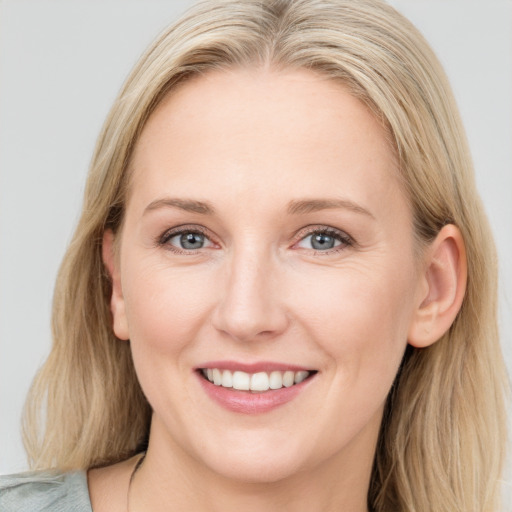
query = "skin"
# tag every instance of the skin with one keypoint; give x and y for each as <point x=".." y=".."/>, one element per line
<point x="250" y="143"/>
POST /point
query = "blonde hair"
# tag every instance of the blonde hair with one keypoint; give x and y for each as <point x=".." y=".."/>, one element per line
<point x="443" y="433"/>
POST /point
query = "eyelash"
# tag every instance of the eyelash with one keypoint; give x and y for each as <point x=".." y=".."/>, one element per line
<point x="344" y="239"/>
<point x="163" y="240"/>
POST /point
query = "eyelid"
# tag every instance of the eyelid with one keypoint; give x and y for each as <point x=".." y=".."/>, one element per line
<point x="163" y="239"/>
<point x="184" y="228"/>
<point x="345" y="239"/>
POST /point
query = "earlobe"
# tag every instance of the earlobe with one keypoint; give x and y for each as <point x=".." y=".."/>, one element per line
<point x="117" y="305"/>
<point x="444" y="285"/>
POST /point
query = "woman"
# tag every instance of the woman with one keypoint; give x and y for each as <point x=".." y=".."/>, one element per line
<point x="281" y="291"/>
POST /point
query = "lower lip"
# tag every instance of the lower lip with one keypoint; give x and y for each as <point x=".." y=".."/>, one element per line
<point x="247" y="402"/>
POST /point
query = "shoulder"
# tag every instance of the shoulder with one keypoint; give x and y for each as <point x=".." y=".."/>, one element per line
<point x="45" y="492"/>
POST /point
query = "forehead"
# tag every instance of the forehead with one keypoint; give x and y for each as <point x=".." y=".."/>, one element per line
<point x="265" y="131"/>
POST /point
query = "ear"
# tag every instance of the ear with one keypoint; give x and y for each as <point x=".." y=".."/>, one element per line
<point x="443" y="286"/>
<point x="117" y="305"/>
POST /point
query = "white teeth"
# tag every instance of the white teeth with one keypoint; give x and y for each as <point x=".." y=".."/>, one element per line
<point x="288" y="378"/>
<point x="261" y="381"/>
<point x="241" y="381"/>
<point x="300" y="376"/>
<point x="276" y="380"/>
<point x="217" y="377"/>
<point x="227" y="379"/>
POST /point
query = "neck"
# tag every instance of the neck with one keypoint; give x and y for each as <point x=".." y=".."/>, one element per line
<point x="171" y="480"/>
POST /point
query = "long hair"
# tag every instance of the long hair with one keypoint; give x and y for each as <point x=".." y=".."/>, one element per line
<point x="443" y="434"/>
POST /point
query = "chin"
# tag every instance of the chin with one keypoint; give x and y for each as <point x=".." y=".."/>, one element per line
<point x="247" y="456"/>
<point x="260" y="470"/>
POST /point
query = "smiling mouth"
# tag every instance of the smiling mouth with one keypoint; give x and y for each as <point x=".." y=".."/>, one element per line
<point x="259" y="382"/>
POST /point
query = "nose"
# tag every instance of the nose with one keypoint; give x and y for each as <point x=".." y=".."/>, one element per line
<point x="250" y="304"/>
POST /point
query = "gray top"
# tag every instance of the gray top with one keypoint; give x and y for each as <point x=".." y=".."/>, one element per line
<point x="40" y="491"/>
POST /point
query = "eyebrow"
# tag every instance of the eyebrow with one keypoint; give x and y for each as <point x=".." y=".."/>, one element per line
<point x="314" y="205"/>
<point x="187" y="205"/>
<point x="296" y="207"/>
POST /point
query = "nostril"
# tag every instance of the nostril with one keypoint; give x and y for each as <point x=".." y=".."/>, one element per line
<point x="249" y="325"/>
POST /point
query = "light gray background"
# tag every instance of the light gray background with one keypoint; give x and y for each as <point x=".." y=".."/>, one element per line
<point x="61" y="65"/>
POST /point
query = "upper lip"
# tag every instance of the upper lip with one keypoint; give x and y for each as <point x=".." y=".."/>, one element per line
<point x="259" y="366"/>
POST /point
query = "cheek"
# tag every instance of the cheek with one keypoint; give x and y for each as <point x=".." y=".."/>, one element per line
<point x="361" y="318"/>
<point x="165" y="306"/>
<point x="166" y="310"/>
<point x="360" y="321"/>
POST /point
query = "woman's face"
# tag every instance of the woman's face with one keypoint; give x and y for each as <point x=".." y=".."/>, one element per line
<point x="266" y="238"/>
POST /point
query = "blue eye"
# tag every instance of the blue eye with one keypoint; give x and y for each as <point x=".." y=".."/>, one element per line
<point x="189" y="241"/>
<point x="186" y="240"/>
<point x="321" y="241"/>
<point x="324" y="240"/>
